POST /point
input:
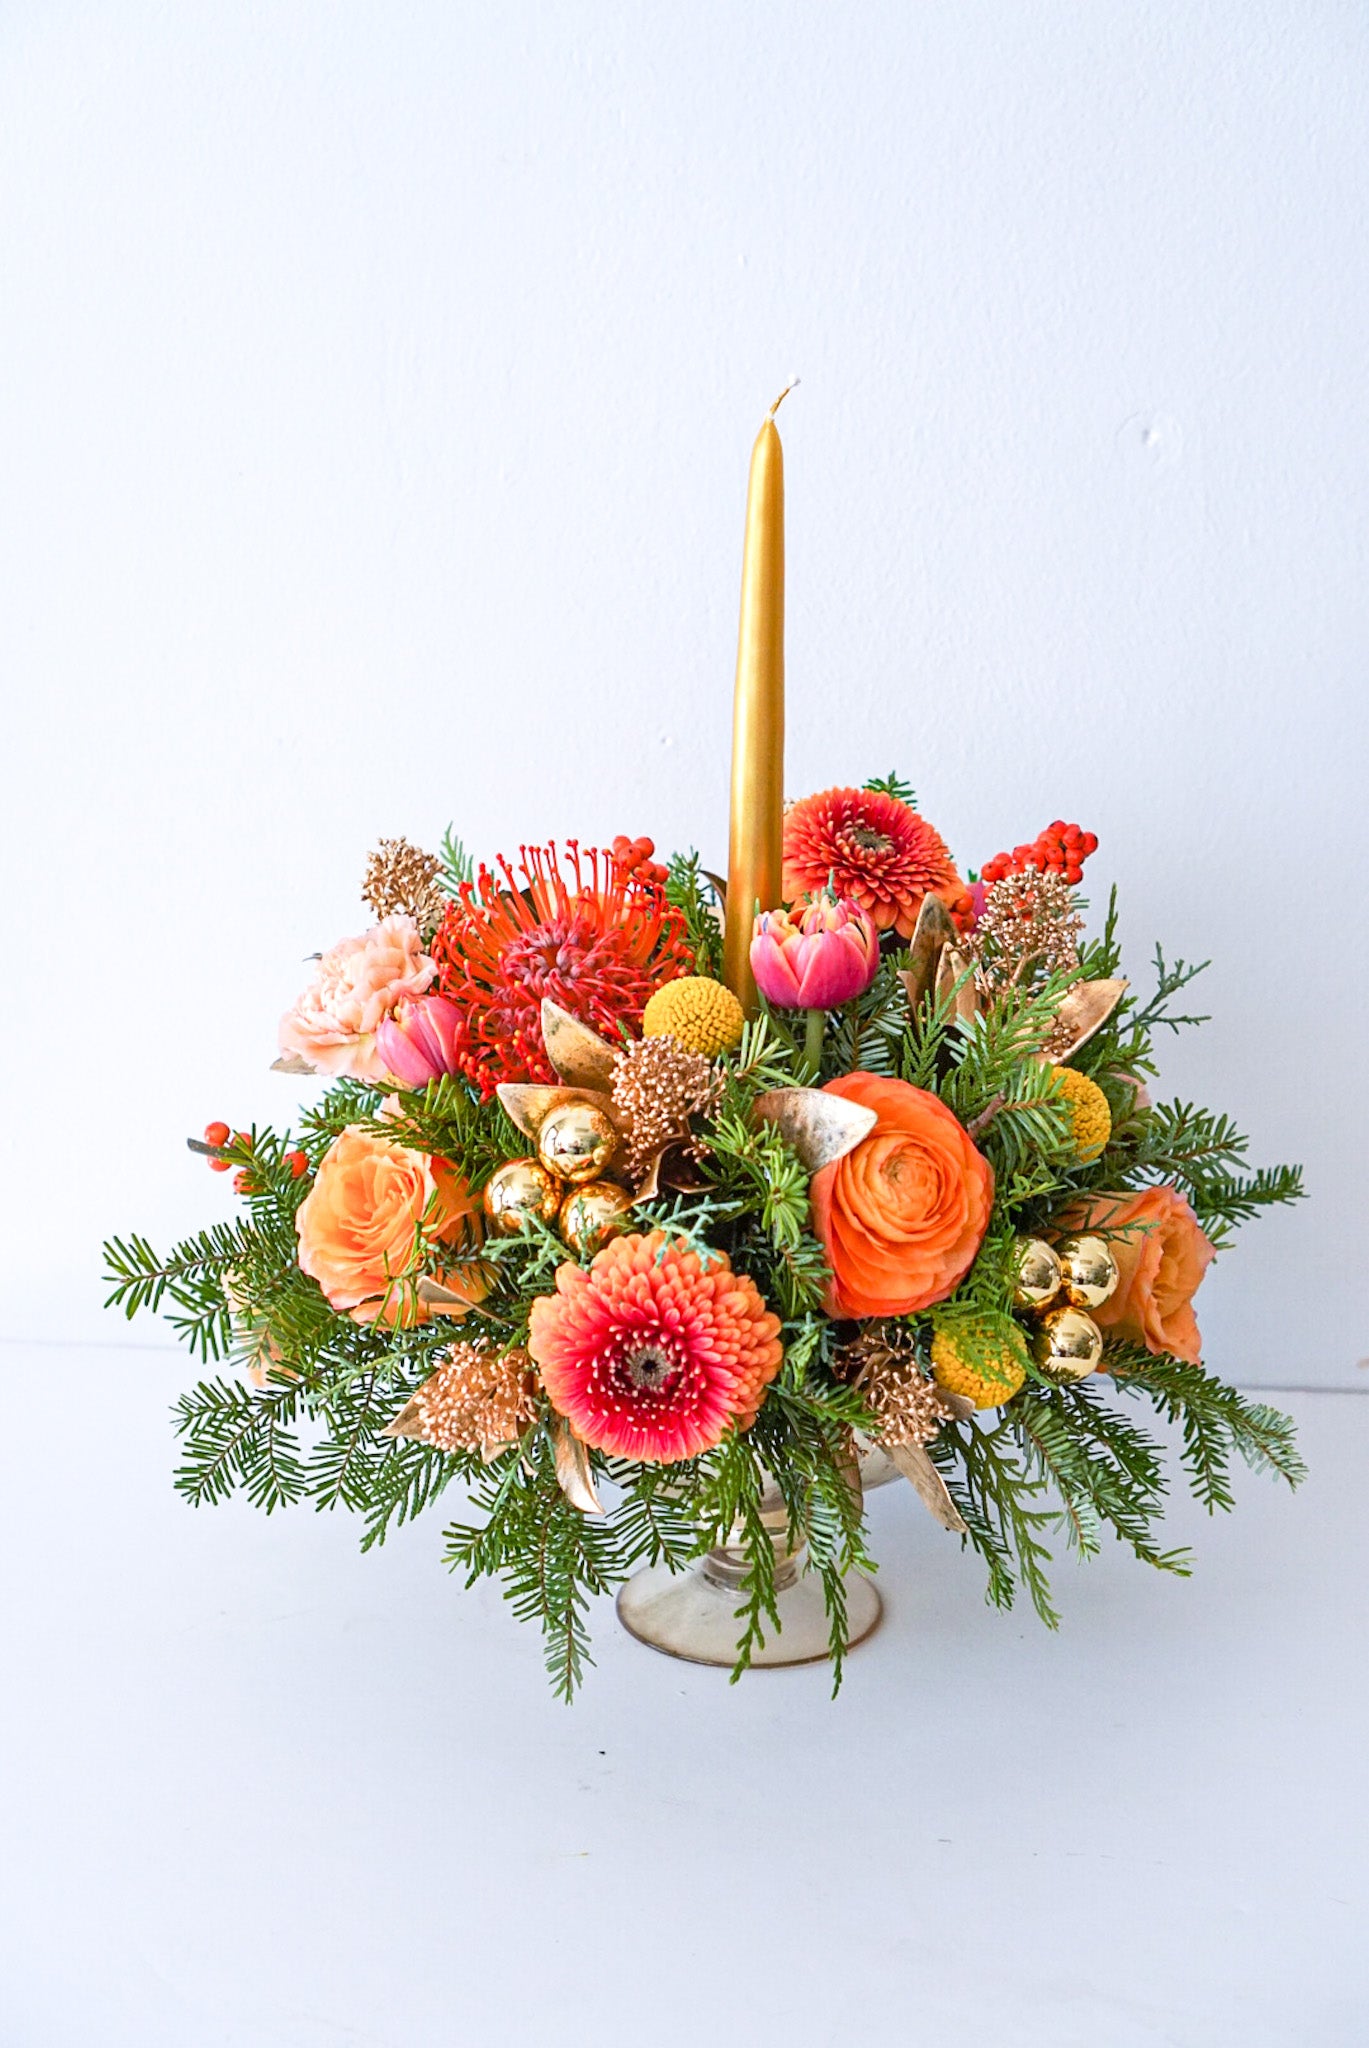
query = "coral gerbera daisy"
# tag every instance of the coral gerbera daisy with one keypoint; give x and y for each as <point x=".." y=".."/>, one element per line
<point x="867" y="844"/>
<point x="651" y="1353"/>
<point x="598" y="941"/>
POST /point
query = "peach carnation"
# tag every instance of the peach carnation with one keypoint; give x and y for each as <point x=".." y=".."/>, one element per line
<point x="1162" y="1254"/>
<point x="358" y="984"/>
<point x="903" y="1214"/>
<point x="364" y="1226"/>
<point x="653" y="1354"/>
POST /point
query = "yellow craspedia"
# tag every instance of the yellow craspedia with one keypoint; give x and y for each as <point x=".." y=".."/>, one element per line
<point x="977" y="1362"/>
<point x="1089" y="1112"/>
<point x="699" y="1014"/>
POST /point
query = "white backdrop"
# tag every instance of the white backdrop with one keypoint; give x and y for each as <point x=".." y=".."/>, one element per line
<point x="376" y="389"/>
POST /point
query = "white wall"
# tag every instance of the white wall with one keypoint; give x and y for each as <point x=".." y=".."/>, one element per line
<point x="376" y="387"/>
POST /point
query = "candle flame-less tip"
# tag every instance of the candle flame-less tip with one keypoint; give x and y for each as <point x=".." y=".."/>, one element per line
<point x="790" y="386"/>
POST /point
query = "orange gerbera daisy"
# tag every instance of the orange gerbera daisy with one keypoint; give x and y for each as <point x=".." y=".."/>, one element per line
<point x="867" y="844"/>
<point x="598" y="942"/>
<point x="653" y="1353"/>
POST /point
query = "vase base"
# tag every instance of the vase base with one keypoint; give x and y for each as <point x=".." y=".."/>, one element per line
<point x="691" y="1615"/>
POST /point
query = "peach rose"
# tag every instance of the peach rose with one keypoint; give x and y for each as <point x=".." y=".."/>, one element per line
<point x="1162" y="1255"/>
<point x="362" y="1228"/>
<point x="902" y="1216"/>
<point x="358" y="984"/>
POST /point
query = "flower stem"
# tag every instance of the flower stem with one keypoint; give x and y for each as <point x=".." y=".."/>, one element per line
<point x="812" y="1042"/>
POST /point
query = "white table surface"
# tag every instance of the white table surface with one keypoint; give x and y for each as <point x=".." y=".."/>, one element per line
<point x="261" y="1791"/>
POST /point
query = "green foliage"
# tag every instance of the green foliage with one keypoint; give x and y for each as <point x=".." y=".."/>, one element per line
<point x="894" y="785"/>
<point x="694" y="896"/>
<point x="1054" y="1462"/>
<point x="457" y="865"/>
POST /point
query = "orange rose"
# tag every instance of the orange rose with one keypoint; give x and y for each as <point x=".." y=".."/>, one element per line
<point x="359" y="1227"/>
<point x="1161" y="1256"/>
<point x="902" y="1216"/>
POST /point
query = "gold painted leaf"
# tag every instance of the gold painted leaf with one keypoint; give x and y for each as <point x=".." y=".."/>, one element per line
<point x="933" y="929"/>
<point x="580" y="1056"/>
<point x="408" y="1422"/>
<point x="439" y="1298"/>
<point x="291" y="1063"/>
<point x="819" y="1126"/>
<point x="1085" y="1010"/>
<point x="916" y="1466"/>
<point x="573" y="1471"/>
<point x="955" y="983"/>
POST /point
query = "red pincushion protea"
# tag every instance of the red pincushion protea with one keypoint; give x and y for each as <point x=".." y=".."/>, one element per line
<point x="651" y="1354"/>
<point x="598" y="942"/>
<point x="867" y="844"/>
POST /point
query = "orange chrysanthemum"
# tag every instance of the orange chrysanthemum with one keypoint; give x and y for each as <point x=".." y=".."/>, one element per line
<point x="869" y="845"/>
<point x="650" y="1353"/>
<point x="597" y="942"/>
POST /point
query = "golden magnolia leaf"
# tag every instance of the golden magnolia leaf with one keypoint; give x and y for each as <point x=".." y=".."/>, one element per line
<point x="439" y="1298"/>
<point x="955" y="983"/>
<point x="291" y="1063"/>
<point x="580" y="1056"/>
<point x="916" y="1466"/>
<point x="719" y="885"/>
<point x="573" y="1471"/>
<point x="408" y="1422"/>
<point x="819" y="1126"/>
<point x="1085" y="1010"/>
<point x="933" y="929"/>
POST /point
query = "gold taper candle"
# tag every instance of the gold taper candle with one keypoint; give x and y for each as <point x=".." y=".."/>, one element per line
<point x="757" y="821"/>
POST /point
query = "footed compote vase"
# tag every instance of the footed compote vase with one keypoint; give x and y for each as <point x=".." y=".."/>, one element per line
<point x="693" y="1613"/>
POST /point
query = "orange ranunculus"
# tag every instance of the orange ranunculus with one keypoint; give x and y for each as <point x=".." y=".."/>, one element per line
<point x="359" y="1227"/>
<point x="1162" y="1255"/>
<point x="902" y="1216"/>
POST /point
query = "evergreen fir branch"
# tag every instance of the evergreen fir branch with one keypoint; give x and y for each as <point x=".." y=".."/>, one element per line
<point x="1104" y="1469"/>
<point x="998" y="1498"/>
<point x="235" y="1438"/>
<point x="1216" y="1422"/>
<point x="406" y="1480"/>
<point x="191" y="1276"/>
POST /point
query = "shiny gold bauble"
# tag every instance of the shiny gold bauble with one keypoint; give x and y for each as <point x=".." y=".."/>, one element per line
<point x="1038" y="1273"/>
<point x="1088" y="1270"/>
<point x="1068" y="1345"/>
<point x="517" y="1192"/>
<point x="576" y="1141"/>
<point x="591" y="1213"/>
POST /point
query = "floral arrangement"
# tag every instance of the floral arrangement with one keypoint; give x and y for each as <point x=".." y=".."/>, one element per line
<point x="570" y="1232"/>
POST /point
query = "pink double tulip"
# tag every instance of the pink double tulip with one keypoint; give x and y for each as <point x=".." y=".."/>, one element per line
<point x="420" y="1040"/>
<point x="828" y="957"/>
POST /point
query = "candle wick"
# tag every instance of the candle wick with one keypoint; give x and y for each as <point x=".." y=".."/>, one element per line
<point x="790" y="386"/>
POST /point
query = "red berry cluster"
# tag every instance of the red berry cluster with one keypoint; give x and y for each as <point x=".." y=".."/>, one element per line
<point x="218" y="1134"/>
<point x="634" y="857"/>
<point x="1061" y="849"/>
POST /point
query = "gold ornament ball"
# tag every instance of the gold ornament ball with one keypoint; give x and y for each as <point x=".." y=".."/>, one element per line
<point x="590" y="1214"/>
<point x="576" y="1141"/>
<point x="1068" y="1345"/>
<point x="1038" y="1273"/>
<point x="516" y="1192"/>
<point x="1088" y="1270"/>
